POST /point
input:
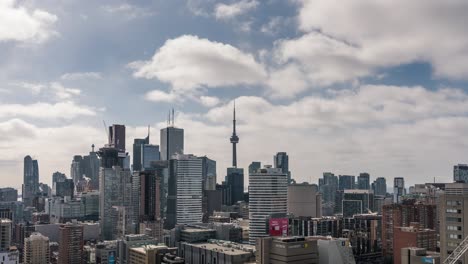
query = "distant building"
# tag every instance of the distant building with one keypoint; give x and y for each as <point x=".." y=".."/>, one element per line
<point x="132" y="241"/>
<point x="287" y="250"/>
<point x="30" y="180"/>
<point x="36" y="249"/>
<point x="363" y="181"/>
<point x="63" y="187"/>
<point x="149" y="153"/>
<point x="172" y="142"/>
<point x="216" y="251"/>
<point x="153" y="254"/>
<point x="117" y="137"/>
<point x="357" y="202"/>
<point x="334" y="250"/>
<point x="209" y="174"/>
<point x="398" y="189"/>
<point x="184" y="202"/>
<point x="413" y="237"/>
<point x="380" y="187"/>
<point x="5" y="234"/>
<point x="328" y="186"/>
<point x="8" y="195"/>
<point x="346" y="182"/>
<point x="281" y="161"/>
<point x="71" y="244"/>
<point x="235" y="185"/>
<point x="304" y="200"/>
<point x="460" y="173"/>
<point x="415" y="255"/>
<point x="254" y="166"/>
<point x="268" y="191"/>
<point x="137" y="149"/>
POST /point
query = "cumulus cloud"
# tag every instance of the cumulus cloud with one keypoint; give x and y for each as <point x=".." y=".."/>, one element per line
<point x="63" y="110"/>
<point x="17" y="23"/>
<point x="189" y="62"/>
<point x="391" y="33"/>
<point x="209" y="101"/>
<point x="229" y="11"/>
<point x="73" y="76"/>
<point x="51" y="90"/>
<point x="161" y="96"/>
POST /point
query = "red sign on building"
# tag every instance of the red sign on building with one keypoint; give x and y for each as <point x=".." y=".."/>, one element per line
<point x="279" y="226"/>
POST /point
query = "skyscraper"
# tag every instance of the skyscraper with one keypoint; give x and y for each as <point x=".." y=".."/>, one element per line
<point x="254" y="166"/>
<point x="115" y="193"/>
<point x="363" y="181"/>
<point x="36" y="249"/>
<point x="346" y="182"/>
<point x="268" y="194"/>
<point x="209" y="174"/>
<point x="172" y="142"/>
<point x="328" y="186"/>
<point x="137" y="146"/>
<point x="281" y="161"/>
<point x="234" y="139"/>
<point x="86" y="168"/>
<point x="150" y="196"/>
<point x="380" y="186"/>
<point x="235" y="185"/>
<point x="149" y="153"/>
<point x="398" y="189"/>
<point x="77" y="169"/>
<point x="30" y="180"/>
<point x="5" y="234"/>
<point x="117" y="137"/>
<point x="70" y="243"/>
<point x="460" y="173"/>
<point x="184" y="200"/>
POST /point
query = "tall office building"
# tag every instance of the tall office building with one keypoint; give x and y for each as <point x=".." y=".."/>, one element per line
<point x="184" y="200"/>
<point x="379" y="186"/>
<point x="30" y="180"/>
<point x="36" y="249"/>
<point x="5" y="234"/>
<point x="117" y="137"/>
<point x="150" y="197"/>
<point x="398" y="189"/>
<point x="234" y="185"/>
<point x="172" y="140"/>
<point x="58" y="176"/>
<point x="71" y="243"/>
<point x="281" y="161"/>
<point x="137" y="146"/>
<point x="363" y="181"/>
<point x="209" y="174"/>
<point x="115" y="193"/>
<point x="346" y="182"/>
<point x="77" y="169"/>
<point x="460" y="173"/>
<point x="328" y="186"/>
<point x="86" y="169"/>
<point x="254" y="166"/>
<point x="453" y="217"/>
<point x="149" y="153"/>
<point x="268" y="194"/>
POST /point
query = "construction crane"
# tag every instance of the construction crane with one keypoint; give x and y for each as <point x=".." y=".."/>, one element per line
<point x="457" y="253"/>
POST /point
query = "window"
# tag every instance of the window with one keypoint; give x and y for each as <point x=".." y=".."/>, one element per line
<point x="454" y="228"/>
<point x="453" y="219"/>
<point x="455" y="236"/>
<point x="453" y="203"/>
<point x="453" y="211"/>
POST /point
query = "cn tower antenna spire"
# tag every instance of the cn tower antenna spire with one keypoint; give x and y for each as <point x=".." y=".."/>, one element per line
<point x="234" y="138"/>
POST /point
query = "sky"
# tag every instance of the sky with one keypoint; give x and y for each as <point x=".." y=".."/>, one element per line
<point x="341" y="86"/>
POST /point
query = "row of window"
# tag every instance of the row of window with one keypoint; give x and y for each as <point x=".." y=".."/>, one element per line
<point x="454" y="228"/>
<point x="453" y="219"/>
<point x="453" y="211"/>
<point x="455" y="236"/>
<point x="453" y="203"/>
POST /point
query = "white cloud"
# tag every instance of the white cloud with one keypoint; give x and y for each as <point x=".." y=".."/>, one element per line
<point x="63" y="110"/>
<point x="229" y="11"/>
<point x="17" y="23"/>
<point x="209" y="101"/>
<point x="161" y="96"/>
<point x="287" y="82"/>
<point x="189" y="62"/>
<point x="128" y="11"/>
<point x="274" y="25"/>
<point x="392" y="33"/>
<point x="53" y="89"/>
<point x="73" y="76"/>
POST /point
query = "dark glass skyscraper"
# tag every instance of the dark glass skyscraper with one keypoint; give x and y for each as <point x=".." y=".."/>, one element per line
<point x="30" y="180"/>
<point x="254" y="166"/>
<point x="281" y="161"/>
<point x="137" y="146"/>
<point x="117" y="137"/>
<point x="380" y="186"/>
<point x="346" y="182"/>
<point x="460" y="173"/>
<point x="363" y="181"/>
<point x="172" y="142"/>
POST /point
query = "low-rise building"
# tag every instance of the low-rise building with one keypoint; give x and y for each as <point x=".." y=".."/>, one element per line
<point x="216" y="251"/>
<point x="287" y="250"/>
<point x="414" y="255"/>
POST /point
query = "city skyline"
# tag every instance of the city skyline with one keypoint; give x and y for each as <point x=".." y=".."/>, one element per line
<point x="390" y="101"/>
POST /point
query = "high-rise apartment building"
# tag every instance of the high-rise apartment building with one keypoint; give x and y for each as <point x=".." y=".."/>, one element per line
<point x="71" y="243"/>
<point x="460" y="173"/>
<point x="363" y="181"/>
<point x="77" y="169"/>
<point x="281" y="161"/>
<point x="403" y="215"/>
<point x="328" y="186"/>
<point x="5" y="234"/>
<point x="184" y="201"/>
<point x="30" y="180"/>
<point x="172" y="142"/>
<point x="346" y="182"/>
<point x="149" y="153"/>
<point x="150" y="196"/>
<point x="398" y="189"/>
<point x="453" y="217"/>
<point x="413" y="236"/>
<point x="36" y="249"/>
<point x="379" y="187"/>
<point x="8" y="195"/>
<point x="268" y="194"/>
